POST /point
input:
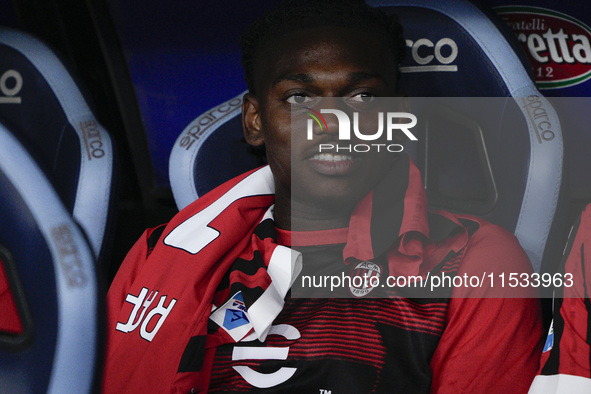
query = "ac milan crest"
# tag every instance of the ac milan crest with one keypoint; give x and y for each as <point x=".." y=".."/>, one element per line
<point x="365" y="277"/>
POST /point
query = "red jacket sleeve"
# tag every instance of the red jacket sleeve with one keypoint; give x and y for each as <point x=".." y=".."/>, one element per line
<point x="492" y="339"/>
<point x="10" y="321"/>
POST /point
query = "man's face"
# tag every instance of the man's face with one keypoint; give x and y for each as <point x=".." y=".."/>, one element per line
<point x="292" y="74"/>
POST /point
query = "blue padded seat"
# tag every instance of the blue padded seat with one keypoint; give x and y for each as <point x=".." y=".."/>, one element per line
<point x="455" y="49"/>
<point x="44" y="108"/>
<point x="512" y="173"/>
<point x="209" y="151"/>
<point x="51" y="275"/>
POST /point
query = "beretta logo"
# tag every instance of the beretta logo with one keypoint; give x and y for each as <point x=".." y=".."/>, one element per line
<point x="558" y="45"/>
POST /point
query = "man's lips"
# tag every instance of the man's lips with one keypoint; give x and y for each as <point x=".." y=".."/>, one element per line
<point x="332" y="157"/>
<point x="333" y="163"/>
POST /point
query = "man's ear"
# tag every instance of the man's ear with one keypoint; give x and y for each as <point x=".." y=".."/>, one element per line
<point x="251" y="120"/>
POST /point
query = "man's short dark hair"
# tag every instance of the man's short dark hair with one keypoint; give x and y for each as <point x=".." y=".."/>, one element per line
<point x="293" y="15"/>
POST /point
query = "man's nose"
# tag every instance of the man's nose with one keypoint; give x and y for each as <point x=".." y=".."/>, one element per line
<point x="337" y="121"/>
<point x="334" y="113"/>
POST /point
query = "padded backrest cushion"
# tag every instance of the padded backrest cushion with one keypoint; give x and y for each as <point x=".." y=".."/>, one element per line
<point x="55" y="287"/>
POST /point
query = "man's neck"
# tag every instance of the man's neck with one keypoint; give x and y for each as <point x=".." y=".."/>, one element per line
<point x="296" y="215"/>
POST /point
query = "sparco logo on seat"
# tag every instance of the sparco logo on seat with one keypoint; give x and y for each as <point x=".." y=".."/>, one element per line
<point x="11" y="83"/>
<point x="431" y="56"/>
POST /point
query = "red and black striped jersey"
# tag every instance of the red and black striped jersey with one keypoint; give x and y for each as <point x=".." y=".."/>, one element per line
<point x="386" y="344"/>
<point x="200" y="303"/>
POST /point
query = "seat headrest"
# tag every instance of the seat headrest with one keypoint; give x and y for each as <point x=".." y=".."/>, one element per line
<point x="43" y="106"/>
<point x="210" y="151"/>
<point x="455" y="49"/>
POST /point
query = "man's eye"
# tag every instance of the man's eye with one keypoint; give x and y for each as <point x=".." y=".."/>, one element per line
<point x="298" y="99"/>
<point x="362" y="98"/>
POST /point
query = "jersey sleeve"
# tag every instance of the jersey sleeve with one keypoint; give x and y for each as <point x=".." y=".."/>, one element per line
<point x="565" y="364"/>
<point x="493" y="334"/>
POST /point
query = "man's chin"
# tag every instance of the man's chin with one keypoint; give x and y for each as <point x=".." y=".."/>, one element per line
<point x="330" y="200"/>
